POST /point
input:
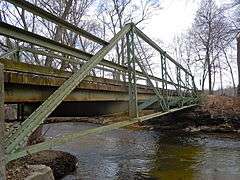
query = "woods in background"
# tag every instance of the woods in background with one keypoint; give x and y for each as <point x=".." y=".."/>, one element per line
<point x="102" y="18"/>
<point x="208" y="48"/>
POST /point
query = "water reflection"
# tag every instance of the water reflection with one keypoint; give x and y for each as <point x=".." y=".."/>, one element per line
<point x="131" y="154"/>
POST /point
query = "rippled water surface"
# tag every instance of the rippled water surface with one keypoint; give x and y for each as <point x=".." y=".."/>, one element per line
<point x="142" y="154"/>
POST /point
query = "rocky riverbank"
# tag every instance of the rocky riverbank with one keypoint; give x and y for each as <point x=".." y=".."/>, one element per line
<point x="60" y="162"/>
<point x="218" y="114"/>
<point x="215" y="114"/>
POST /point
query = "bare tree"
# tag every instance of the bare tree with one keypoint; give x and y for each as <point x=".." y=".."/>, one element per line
<point x="114" y="14"/>
<point x="70" y="10"/>
<point x="238" y="63"/>
<point x="209" y="32"/>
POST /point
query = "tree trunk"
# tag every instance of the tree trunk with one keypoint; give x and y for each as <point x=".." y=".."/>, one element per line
<point x="221" y="80"/>
<point x="238" y="63"/>
<point x="59" y="30"/>
<point x="231" y="72"/>
<point x="209" y="72"/>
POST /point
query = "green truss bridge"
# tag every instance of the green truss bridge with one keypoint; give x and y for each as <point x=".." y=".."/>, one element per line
<point x="95" y="82"/>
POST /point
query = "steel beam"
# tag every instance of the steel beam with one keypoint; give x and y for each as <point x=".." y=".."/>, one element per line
<point x="49" y="144"/>
<point x="17" y="139"/>
<point x="20" y="34"/>
<point x="155" y="46"/>
<point x="156" y="91"/>
<point x="26" y="36"/>
<point x="50" y="17"/>
<point x="7" y="54"/>
<point x="133" y="105"/>
<point x="148" y="102"/>
<point x="53" y="55"/>
<point x="30" y="94"/>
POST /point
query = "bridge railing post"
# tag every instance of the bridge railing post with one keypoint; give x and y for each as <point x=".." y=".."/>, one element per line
<point x="2" y="125"/>
<point x="133" y="105"/>
<point x="164" y="77"/>
<point x="194" y="91"/>
<point x="178" y="80"/>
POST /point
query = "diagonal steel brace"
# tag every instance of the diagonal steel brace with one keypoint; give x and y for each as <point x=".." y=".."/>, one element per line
<point x="42" y="112"/>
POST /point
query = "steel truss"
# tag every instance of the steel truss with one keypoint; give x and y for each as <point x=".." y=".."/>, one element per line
<point x="185" y="89"/>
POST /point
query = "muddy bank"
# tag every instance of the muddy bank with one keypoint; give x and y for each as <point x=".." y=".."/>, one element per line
<point x="218" y="114"/>
<point x="61" y="163"/>
<point x="214" y="114"/>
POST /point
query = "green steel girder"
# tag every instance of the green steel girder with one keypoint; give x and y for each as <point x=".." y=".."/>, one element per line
<point x="74" y="136"/>
<point x="17" y="33"/>
<point x="15" y="94"/>
<point x="53" y="55"/>
<point x="17" y="139"/>
<point x="155" y="46"/>
<point x="178" y="80"/>
<point x="51" y="17"/>
<point x="156" y="91"/>
<point x="26" y="36"/>
<point x="20" y="34"/>
<point x="148" y="102"/>
<point x="7" y="54"/>
<point x="133" y="104"/>
<point x="38" y="116"/>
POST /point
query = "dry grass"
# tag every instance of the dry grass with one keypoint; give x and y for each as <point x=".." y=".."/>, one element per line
<point x="222" y="106"/>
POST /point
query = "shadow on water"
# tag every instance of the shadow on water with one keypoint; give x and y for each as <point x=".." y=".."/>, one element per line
<point x="142" y="154"/>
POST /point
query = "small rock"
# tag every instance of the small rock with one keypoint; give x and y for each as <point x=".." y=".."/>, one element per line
<point x="40" y="172"/>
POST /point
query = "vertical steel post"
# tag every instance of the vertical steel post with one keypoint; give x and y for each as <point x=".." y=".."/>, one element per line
<point x="194" y="91"/>
<point x="18" y="55"/>
<point x="187" y="82"/>
<point x="2" y="154"/>
<point x="135" y="102"/>
<point x="178" y="81"/>
<point x="132" y="90"/>
<point x="164" y="78"/>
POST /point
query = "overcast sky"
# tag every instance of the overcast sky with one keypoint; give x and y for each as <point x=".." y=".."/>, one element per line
<point x="175" y="17"/>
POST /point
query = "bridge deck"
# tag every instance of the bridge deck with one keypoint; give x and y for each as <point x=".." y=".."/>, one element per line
<point x="32" y="83"/>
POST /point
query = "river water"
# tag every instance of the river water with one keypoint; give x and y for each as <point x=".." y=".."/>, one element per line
<point x="143" y="154"/>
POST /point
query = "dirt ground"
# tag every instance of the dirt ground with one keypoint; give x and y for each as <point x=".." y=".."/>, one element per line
<point x="17" y="170"/>
<point x="215" y="114"/>
<point x="228" y="107"/>
<point x="60" y="162"/>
